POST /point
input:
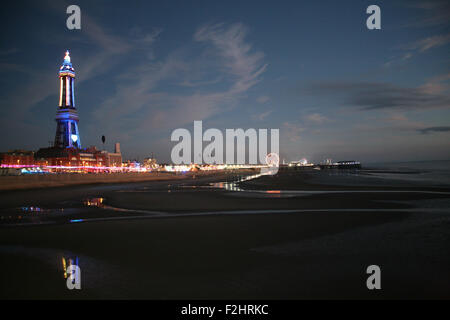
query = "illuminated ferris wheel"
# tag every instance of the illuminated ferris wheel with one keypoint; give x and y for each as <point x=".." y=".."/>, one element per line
<point x="272" y="159"/>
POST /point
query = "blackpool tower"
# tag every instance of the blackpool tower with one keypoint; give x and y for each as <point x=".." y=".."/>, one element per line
<point x="67" y="134"/>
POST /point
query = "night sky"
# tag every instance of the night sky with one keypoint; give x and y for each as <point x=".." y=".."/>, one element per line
<point x="310" y="68"/>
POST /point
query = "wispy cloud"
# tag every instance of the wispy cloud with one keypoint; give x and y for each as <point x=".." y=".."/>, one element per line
<point x="429" y="43"/>
<point x="292" y="131"/>
<point x="316" y="118"/>
<point x="147" y="38"/>
<point x="246" y="65"/>
<point x="199" y="83"/>
<point x="233" y="66"/>
<point x="110" y="49"/>
<point x="417" y="47"/>
<point x="374" y="95"/>
<point x="262" y="116"/>
<point x="434" y="129"/>
<point x="400" y="121"/>
<point x="437" y="85"/>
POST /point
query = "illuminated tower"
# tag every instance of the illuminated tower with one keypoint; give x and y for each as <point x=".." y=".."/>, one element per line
<point x="67" y="134"/>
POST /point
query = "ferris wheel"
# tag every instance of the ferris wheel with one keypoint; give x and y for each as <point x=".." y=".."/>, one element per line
<point x="272" y="159"/>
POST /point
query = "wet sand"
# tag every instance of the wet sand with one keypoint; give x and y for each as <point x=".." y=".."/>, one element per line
<point x="192" y="240"/>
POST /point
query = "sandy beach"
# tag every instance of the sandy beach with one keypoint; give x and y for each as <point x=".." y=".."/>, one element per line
<point x="35" y="181"/>
<point x="297" y="235"/>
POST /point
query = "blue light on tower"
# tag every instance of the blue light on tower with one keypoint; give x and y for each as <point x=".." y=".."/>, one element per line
<point x="67" y="134"/>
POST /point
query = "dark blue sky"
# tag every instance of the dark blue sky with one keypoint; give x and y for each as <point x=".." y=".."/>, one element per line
<point x="310" y="68"/>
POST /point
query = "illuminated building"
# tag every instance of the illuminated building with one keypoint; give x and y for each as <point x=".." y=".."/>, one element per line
<point x="150" y="163"/>
<point x="71" y="159"/>
<point x="17" y="158"/>
<point x="67" y="134"/>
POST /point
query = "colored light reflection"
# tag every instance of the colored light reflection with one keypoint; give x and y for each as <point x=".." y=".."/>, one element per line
<point x="66" y="263"/>
<point x="32" y="209"/>
<point x="94" y="202"/>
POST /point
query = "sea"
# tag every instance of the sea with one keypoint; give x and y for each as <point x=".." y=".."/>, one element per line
<point x="435" y="171"/>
